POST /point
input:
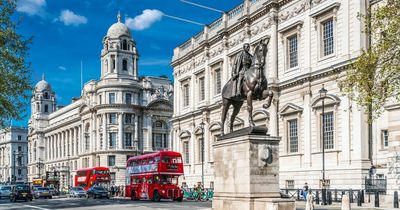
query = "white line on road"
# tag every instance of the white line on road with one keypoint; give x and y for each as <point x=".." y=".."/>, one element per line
<point x="35" y="207"/>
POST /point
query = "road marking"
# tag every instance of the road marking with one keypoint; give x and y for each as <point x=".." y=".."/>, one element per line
<point x="35" y="207"/>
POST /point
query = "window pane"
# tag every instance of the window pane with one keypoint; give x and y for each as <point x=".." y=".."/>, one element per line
<point x="186" y="95"/>
<point x="128" y="118"/>
<point x="128" y="98"/>
<point x="293" y="138"/>
<point x="328" y="130"/>
<point x="202" y="94"/>
<point x="111" y="98"/>
<point x="328" y="37"/>
<point x="385" y="137"/>
<point x="112" y="140"/>
<point x="112" y="118"/>
<point x="128" y="139"/>
<point x="111" y="160"/>
<point x="292" y="50"/>
<point x="217" y="81"/>
<point x="186" y="151"/>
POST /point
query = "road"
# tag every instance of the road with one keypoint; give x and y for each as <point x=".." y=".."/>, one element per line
<point x="94" y="204"/>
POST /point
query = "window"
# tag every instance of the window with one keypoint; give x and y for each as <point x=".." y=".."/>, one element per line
<point x="99" y="99"/>
<point x="328" y="130"/>
<point x="19" y="148"/>
<point x="292" y="51"/>
<point x="111" y="98"/>
<point x="202" y="94"/>
<point x="113" y="63"/>
<point x="293" y="138"/>
<point x="124" y="65"/>
<point x="128" y="98"/>
<point x="217" y="81"/>
<point x="186" y="95"/>
<point x="112" y="118"/>
<point x="46" y="108"/>
<point x="186" y="151"/>
<point x="327" y="37"/>
<point x="46" y="95"/>
<point x="212" y="185"/>
<point x="19" y="139"/>
<point x="112" y="140"/>
<point x="289" y="184"/>
<point x="37" y="106"/>
<point x="157" y="140"/>
<point x="385" y="138"/>
<point x="19" y="172"/>
<point x="124" y="45"/>
<point x="128" y="139"/>
<point x="158" y="124"/>
<point x="128" y="118"/>
<point x="111" y="160"/>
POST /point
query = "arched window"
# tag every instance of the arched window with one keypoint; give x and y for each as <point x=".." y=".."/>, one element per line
<point x="124" y="45"/>
<point x="124" y="65"/>
<point x="46" y="95"/>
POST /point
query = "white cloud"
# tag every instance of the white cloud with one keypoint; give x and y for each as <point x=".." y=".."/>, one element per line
<point x="154" y="61"/>
<point x="70" y="18"/>
<point x="62" y="68"/>
<point x="145" y="20"/>
<point x="32" y="7"/>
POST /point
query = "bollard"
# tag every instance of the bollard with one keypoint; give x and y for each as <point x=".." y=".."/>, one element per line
<point x="376" y="198"/>
<point x="346" y="203"/>
<point x="287" y="191"/>
<point x="359" y="198"/>
<point x="329" y="197"/>
<point x="351" y="196"/>
<point x="336" y="195"/>
<point x="362" y="196"/>
<point x="298" y="194"/>
<point x="317" y="197"/>
<point x="395" y="200"/>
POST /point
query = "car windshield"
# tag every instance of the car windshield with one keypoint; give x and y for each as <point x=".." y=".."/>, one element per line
<point x="99" y="188"/>
<point x="6" y="188"/>
<point x="43" y="188"/>
<point x="79" y="189"/>
<point x="22" y="187"/>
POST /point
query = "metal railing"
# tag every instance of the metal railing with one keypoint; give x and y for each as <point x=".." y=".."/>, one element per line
<point x="375" y="184"/>
<point x="335" y="194"/>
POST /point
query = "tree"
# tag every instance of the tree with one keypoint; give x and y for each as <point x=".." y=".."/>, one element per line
<point x="14" y="70"/>
<point x="374" y="77"/>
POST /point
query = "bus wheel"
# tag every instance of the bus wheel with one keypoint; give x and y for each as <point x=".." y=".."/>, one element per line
<point x="179" y="199"/>
<point x="156" y="196"/>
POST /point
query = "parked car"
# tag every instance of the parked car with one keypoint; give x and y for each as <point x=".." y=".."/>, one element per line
<point x="77" y="192"/>
<point x="42" y="192"/>
<point x="21" y="192"/>
<point x="5" y="191"/>
<point x="53" y="191"/>
<point x="97" y="192"/>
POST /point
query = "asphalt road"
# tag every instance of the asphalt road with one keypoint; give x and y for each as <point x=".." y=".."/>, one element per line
<point x="94" y="204"/>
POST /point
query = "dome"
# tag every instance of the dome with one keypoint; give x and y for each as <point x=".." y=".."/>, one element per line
<point x="118" y="29"/>
<point x="42" y="85"/>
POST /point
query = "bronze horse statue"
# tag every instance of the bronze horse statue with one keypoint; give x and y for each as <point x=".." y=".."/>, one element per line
<point x="254" y="87"/>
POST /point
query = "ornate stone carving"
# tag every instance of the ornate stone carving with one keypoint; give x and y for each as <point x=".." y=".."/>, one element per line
<point x="161" y="93"/>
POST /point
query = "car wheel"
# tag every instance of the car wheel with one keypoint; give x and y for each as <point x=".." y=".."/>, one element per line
<point x="51" y="197"/>
<point x="156" y="196"/>
<point x="179" y="199"/>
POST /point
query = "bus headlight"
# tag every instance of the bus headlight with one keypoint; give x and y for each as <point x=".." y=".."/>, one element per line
<point x="163" y="191"/>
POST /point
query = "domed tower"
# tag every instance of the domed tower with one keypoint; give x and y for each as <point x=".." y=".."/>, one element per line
<point x="43" y="100"/>
<point x="119" y="54"/>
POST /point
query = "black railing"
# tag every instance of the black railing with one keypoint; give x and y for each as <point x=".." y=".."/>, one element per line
<point x="334" y="195"/>
<point x="375" y="185"/>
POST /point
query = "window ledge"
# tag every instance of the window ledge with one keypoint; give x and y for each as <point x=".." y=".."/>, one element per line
<point x="383" y="149"/>
<point x="291" y="154"/>
<point x="327" y="151"/>
<point x="292" y="69"/>
<point x="327" y="57"/>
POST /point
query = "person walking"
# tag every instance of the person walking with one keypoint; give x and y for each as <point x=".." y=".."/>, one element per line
<point x="305" y="191"/>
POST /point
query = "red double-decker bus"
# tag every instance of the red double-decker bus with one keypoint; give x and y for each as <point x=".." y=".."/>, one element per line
<point x="89" y="177"/>
<point x="154" y="176"/>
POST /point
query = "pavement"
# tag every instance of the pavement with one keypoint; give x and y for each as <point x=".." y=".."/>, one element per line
<point x="97" y="204"/>
<point x="300" y="205"/>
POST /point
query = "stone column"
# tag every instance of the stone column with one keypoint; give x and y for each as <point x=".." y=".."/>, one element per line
<point x="273" y="73"/>
<point x="307" y="127"/>
<point x="105" y="137"/>
<point x="93" y="134"/>
<point x="149" y="143"/>
<point x="136" y="132"/>
<point x="192" y="150"/>
<point x="120" y="130"/>
<point x="345" y="127"/>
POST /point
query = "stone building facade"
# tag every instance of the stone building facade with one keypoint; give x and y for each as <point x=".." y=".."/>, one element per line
<point x="13" y="154"/>
<point x="118" y="116"/>
<point x="311" y="45"/>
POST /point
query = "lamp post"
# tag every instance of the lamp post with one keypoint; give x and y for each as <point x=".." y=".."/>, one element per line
<point x="322" y="94"/>
<point x="202" y="153"/>
<point x="39" y="165"/>
<point x="69" y="173"/>
<point x="14" y="177"/>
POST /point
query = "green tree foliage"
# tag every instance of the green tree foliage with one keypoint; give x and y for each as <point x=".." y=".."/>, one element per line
<point x="14" y="70"/>
<point x="374" y="77"/>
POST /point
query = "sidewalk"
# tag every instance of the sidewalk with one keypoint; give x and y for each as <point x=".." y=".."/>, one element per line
<point x="337" y="206"/>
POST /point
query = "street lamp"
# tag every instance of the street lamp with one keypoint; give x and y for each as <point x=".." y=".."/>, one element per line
<point x="202" y="153"/>
<point x="14" y="177"/>
<point x="322" y="94"/>
<point x="39" y="165"/>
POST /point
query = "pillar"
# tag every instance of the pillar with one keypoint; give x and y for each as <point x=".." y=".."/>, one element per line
<point x="120" y="130"/>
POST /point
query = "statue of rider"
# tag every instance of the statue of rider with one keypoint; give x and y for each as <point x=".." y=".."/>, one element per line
<point x="241" y="65"/>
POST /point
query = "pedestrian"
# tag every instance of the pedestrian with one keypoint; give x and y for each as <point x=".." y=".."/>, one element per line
<point x="305" y="191"/>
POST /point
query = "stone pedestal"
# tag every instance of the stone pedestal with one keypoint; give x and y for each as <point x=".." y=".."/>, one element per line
<point x="247" y="172"/>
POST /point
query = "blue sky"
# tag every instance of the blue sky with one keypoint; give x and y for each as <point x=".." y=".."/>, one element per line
<point x="66" y="32"/>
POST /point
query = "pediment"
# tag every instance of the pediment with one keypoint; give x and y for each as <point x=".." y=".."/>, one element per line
<point x="184" y="134"/>
<point x="290" y="108"/>
<point x="160" y="104"/>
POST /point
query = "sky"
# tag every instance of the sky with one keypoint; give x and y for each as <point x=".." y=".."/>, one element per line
<point x="66" y="32"/>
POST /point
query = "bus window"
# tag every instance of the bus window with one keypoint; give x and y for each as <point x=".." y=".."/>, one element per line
<point x="143" y="180"/>
<point x="149" y="180"/>
<point x="166" y="159"/>
<point x="157" y="159"/>
<point x="177" y="160"/>
<point x="151" y="161"/>
<point x="156" y="179"/>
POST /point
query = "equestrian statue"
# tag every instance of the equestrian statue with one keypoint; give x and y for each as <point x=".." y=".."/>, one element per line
<point x="248" y="82"/>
